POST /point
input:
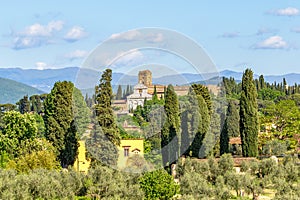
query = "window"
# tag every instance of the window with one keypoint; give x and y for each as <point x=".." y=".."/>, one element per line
<point x="126" y="151"/>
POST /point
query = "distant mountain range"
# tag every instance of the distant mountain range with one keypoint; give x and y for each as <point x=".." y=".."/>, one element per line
<point x="86" y="78"/>
<point x="12" y="91"/>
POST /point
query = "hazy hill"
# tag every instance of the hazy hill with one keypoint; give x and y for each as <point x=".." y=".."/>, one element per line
<point x="87" y="78"/>
<point x="12" y="91"/>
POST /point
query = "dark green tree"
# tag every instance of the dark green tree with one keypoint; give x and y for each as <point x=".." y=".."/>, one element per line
<point x="171" y="129"/>
<point x="262" y="82"/>
<point x="203" y="91"/>
<point x="104" y="111"/>
<point x="119" y="93"/>
<point x="154" y="96"/>
<point x="35" y="103"/>
<point x="230" y="127"/>
<point x="59" y="122"/>
<point x="249" y="116"/>
<point x="203" y="121"/>
<point x="24" y="105"/>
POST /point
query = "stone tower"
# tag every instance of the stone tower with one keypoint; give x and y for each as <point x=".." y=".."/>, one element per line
<point x="145" y="77"/>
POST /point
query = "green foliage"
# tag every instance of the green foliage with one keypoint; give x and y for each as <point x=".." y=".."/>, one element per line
<point x="59" y="122"/>
<point x="104" y="112"/>
<point x="17" y="129"/>
<point x="40" y="184"/>
<point x="170" y="132"/>
<point x="105" y="183"/>
<point x="35" y="103"/>
<point x="24" y="105"/>
<point x="81" y="112"/>
<point x="203" y="122"/>
<point x="269" y="94"/>
<point x="44" y="159"/>
<point x="230" y="127"/>
<point x="158" y="184"/>
<point x="249" y="116"/>
<point x="100" y="148"/>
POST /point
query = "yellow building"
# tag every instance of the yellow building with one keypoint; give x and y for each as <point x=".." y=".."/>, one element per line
<point x="128" y="148"/>
<point x="81" y="163"/>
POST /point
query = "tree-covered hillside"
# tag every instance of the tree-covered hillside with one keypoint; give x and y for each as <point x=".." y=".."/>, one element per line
<point x="12" y="91"/>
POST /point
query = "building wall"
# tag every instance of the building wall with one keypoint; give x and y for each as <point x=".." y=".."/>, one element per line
<point x="81" y="163"/>
<point x="131" y="144"/>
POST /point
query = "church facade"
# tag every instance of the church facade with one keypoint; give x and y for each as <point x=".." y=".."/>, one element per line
<point x="140" y="93"/>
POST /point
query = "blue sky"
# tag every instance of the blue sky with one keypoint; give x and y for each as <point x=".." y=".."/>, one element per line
<point x="262" y="35"/>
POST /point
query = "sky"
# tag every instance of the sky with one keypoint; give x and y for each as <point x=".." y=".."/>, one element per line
<point x="261" y="35"/>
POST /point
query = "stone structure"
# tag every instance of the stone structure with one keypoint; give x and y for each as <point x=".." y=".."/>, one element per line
<point x="140" y="93"/>
<point x="145" y="77"/>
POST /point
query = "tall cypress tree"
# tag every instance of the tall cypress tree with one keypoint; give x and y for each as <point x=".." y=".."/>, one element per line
<point x="249" y="116"/>
<point x="154" y="96"/>
<point x="119" y="93"/>
<point x="202" y="119"/>
<point x="171" y="129"/>
<point x="230" y="127"/>
<point x="59" y="122"/>
<point x="104" y="111"/>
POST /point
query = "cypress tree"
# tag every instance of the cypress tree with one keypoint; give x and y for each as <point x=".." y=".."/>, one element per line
<point x="203" y="91"/>
<point x="230" y="127"/>
<point x="104" y="111"/>
<point x="59" y="122"/>
<point x="262" y="82"/>
<point x="202" y="119"/>
<point x="233" y="119"/>
<point x="154" y="96"/>
<point x="171" y="129"/>
<point x="249" y="116"/>
<point x="119" y="93"/>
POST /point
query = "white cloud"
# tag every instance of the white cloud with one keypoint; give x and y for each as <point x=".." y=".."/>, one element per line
<point x="290" y="11"/>
<point x="40" y="65"/>
<point x="42" y="30"/>
<point x="230" y="35"/>
<point x="274" y="42"/>
<point x="127" y="36"/>
<point x="36" y="35"/>
<point x="135" y="35"/>
<point x="77" y="54"/>
<point x="76" y="33"/>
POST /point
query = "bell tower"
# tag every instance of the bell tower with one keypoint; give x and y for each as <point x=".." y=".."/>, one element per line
<point x="145" y="77"/>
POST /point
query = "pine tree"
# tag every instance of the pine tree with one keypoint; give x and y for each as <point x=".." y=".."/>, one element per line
<point x="249" y="116"/>
<point x="59" y="122"/>
<point x="119" y="93"/>
<point x="104" y="111"/>
<point x="171" y="129"/>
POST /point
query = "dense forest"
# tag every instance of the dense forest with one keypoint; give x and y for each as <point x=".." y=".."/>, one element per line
<point x="190" y="148"/>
